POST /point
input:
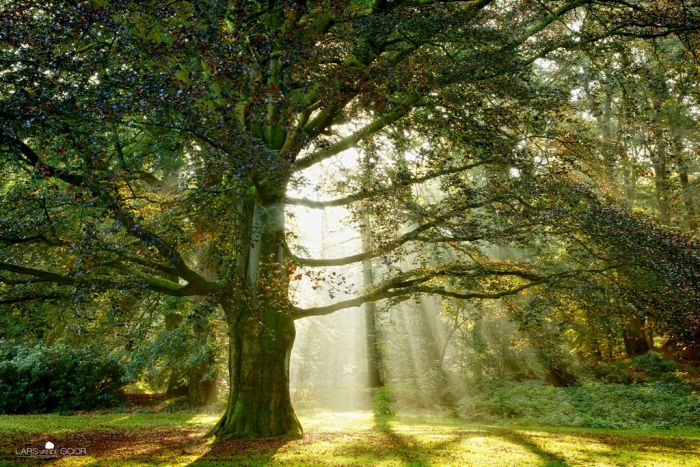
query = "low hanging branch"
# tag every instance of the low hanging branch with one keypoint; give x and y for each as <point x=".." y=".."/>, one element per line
<point x="412" y="284"/>
<point x="134" y="228"/>
<point x="299" y="313"/>
<point x="147" y="282"/>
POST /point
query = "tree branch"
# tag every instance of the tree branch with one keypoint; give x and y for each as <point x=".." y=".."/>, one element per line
<point x="313" y="262"/>
<point x="376" y="295"/>
<point x="349" y="141"/>
<point x="310" y="203"/>
<point x="160" y="285"/>
<point x="133" y="228"/>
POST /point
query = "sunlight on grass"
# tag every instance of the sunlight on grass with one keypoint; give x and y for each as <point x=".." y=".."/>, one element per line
<point x="204" y="419"/>
<point x="336" y="421"/>
<point x="344" y="438"/>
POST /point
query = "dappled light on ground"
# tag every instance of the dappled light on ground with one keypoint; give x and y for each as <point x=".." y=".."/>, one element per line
<point x="343" y="438"/>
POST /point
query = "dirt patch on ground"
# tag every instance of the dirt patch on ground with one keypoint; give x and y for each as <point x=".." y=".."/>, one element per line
<point x="110" y="441"/>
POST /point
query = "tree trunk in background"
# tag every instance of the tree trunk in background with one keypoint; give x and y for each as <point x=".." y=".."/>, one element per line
<point x="687" y="196"/>
<point x="662" y="185"/>
<point x="261" y="329"/>
<point x="649" y="334"/>
<point x="201" y="385"/>
<point x="175" y="387"/>
<point x="198" y="383"/>
<point x="684" y="179"/>
<point x="595" y="340"/>
<point x="659" y="153"/>
<point x="635" y="337"/>
<point x="374" y="374"/>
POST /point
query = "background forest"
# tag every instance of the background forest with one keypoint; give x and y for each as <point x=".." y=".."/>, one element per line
<point x="482" y="209"/>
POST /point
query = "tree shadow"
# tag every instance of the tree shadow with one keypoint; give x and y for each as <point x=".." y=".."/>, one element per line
<point x="549" y="459"/>
<point x="617" y="442"/>
<point x="241" y="451"/>
<point x="393" y="444"/>
<point x="414" y="452"/>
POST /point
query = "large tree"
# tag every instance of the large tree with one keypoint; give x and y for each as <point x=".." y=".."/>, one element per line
<point x="136" y="134"/>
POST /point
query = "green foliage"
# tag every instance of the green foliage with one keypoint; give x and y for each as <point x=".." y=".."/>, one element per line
<point x="493" y="348"/>
<point x="649" y="367"/>
<point x="57" y="378"/>
<point x="615" y="372"/>
<point x="182" y="358"/>
<point x="653" y="364"/>
<point x="659" y="404"/>
<point x="524" y="402"/>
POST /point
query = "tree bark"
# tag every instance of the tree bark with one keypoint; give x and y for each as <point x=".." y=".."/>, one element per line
<point x="259" y="404"/>
<point x="261" y="328"/>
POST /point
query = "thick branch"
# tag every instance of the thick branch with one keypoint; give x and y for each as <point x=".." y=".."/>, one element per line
<point x="313" y="262"/>
<point x="310" y="203"/>
<point x="373" y="296"/>
<point x="160" y="285"/>
<point x="32" y="298"/>
<point x="134" y="228"/>
<point x="351" y="140"/>
<point x="409" y="283"/>
<point x="33" y="159"/>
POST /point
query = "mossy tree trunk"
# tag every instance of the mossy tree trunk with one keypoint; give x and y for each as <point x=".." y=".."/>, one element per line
<point x="259" y="404"/>
<point x="261" y="328"/>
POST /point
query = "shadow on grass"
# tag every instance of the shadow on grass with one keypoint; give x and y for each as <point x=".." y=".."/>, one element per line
<point x="549" y="459"/>
<point x="618" y="442"/>
<point x="241" y="452"/>
<point x="411" y="451"/>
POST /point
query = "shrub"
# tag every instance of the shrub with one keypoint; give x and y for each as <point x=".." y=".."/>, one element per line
<point x="653" y="364"/>
<point x="658" y="404"/>
<point x="57" y="378"/>
<point x="527" y="402"/>
<point x="616" y="372"/>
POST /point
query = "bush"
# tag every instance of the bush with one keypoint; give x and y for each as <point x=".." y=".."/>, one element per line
<point x="659" y="404"/>
<point x="527" y="402"/>
<point x="616" y="372"/>
<point x="653" y="364"/>
<point x="57" y="378"/>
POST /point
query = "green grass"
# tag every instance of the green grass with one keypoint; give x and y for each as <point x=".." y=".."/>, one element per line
<point x="353" y="438"/>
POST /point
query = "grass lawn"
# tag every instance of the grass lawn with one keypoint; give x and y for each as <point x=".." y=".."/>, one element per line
<point x="338" y="439"/>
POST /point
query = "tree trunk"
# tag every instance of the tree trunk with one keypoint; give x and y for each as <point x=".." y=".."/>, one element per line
<point x="261" y="329"/>
<point x="635" y="337"/>
<point x="687" y="196"/>
<point x="662" y="185"/>
<point x="374" y="376"/>
<point x="202" y="377"/>
<point x="259" y="404"/>
<point x="176" y="386"/>
<point x="659" y="155"/>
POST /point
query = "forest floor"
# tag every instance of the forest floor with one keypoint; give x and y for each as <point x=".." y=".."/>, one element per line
<point x="352" y="438"/>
